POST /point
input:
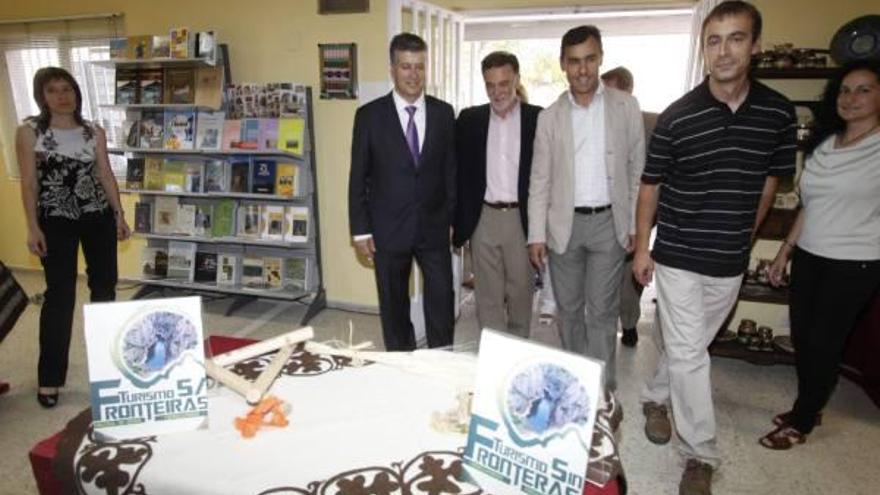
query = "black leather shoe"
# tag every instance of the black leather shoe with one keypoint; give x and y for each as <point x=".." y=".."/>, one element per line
<point x="630" y="337"/>
<point x="48" y="401"/>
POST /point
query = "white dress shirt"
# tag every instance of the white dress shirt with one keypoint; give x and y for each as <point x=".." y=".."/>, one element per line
<point x="502" y="156"/>
<point x="419" y="116"/>
<point x="591" y="181"/>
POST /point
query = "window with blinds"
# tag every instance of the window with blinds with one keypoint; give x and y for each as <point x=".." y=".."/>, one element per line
<point x="71" y="43"/>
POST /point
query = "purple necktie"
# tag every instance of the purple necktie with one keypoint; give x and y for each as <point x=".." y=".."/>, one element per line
<point x="412" y="135"/>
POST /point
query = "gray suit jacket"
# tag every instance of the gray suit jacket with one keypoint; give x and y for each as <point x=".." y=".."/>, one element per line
<point x="551" y="189"/>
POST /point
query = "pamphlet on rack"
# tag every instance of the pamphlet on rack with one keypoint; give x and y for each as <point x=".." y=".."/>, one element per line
<point x="146" y="366"/>
<point x="532" y="418"/>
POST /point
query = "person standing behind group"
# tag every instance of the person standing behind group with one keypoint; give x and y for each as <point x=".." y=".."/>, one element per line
<point x="401" y="196"/>
<point x="494" y="147"/>
<point x="589" y="153"/>
<point x="70" y="198"/>
<point x="834" y="244"/>
<point x="630" y="290"/>
<point x="713" y="166"/>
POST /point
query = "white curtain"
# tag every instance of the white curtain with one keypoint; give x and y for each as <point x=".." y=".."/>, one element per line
<point x="696" y="65"/>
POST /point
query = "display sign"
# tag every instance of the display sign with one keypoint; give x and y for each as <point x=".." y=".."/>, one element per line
<point x="532" y="418"/>
<point x="146" y="366"/>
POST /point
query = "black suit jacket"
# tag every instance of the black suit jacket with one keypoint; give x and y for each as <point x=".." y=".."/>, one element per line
<point x="472" y="130"/>
<point x="402" y="205"/>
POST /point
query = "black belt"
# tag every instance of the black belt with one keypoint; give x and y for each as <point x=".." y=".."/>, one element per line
<point x="501" y="205"/>
<point x="589" y="210"/>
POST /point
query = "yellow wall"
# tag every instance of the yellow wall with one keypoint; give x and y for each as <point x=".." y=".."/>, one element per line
<point x="269" y="41"/>
<point x="275" y="40"/>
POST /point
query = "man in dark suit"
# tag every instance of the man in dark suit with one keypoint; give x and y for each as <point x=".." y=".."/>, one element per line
<point x="401" y="196"/>
<point x="494" y="147"/>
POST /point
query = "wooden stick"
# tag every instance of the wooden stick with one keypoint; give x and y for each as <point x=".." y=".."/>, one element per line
<point x="264" y="346"/>
<point x="232" y="381"/>
<point x="262" y="384"/>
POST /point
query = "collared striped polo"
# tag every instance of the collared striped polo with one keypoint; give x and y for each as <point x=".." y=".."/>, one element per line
<point x="711" y="164"/>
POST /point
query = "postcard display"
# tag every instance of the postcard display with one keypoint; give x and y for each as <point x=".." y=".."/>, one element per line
<point x="224" y="173"/>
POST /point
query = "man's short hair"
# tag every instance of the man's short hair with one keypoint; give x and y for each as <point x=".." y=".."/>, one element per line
<point x="406" y="42"/>
<point x="623" y="77"/>
<point x="578" y="35"/>
<point x="735" y="7"/>
<point x="500" y="59"/>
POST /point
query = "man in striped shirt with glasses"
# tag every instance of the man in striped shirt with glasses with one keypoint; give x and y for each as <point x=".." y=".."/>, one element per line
<point x="713" y="165"/>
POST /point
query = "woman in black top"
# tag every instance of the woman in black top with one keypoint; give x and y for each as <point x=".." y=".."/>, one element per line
<point x="70" y="198"/>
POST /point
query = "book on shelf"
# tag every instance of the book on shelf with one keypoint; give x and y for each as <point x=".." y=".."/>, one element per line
<point x="295" y="276"/>
<point x="154" y="263"/>
<point x="248" y="223"/>
<point x="203" y="220"/>
<point x="250" y="134"/>
<point x="272" y="222"/>
<point x="152" y="129"/>
<point x="206" y="268"/>
<point x="287" y="179"/>
<point x="118" y="48"/>
<point x="193" y="182"/>
<point x="231" y="134"/>
<point x="228" y="270"/>
<point x="126" y="86"/>
<point x="272" y="272"/>
<point x="165" y="215"/>
<point x="131" y="135"/>
<point x="263" y="176"/>
<point x="239" y="175"/>
<point x="161" y="46"/>
<point x="209" y="130"/>
<point x="296" y="224"/>
<point x="151" y="86"/>
<point x="139" y="47"/>
<point x="186" y="219"/>
<point x="206" y="45"/>
<point x="209" y="87"/>
<point x="216" y="179"/>
<point x="143" y="218"/>
<point x="134" y="173"/>
<point x="252" y="272"/>
<point x="153" y="178"/>
<point x="174" y="176"/>
<point x="291" y="132"/>
<point x="223" y="224"/>
<point x="181" y="260"/>
<point x="180" y="85"/>
<point x="268" y="134"/>
<point x="181" y="43"/>
<point x="180" y="126"/>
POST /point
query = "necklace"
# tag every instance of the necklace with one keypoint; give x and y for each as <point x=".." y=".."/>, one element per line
<point x="842" y="143"/>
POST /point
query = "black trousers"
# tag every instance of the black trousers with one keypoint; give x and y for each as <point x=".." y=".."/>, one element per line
<point x="97" y="234"/>
<point x="392" y="279"/>
<point x="827" y="298"/>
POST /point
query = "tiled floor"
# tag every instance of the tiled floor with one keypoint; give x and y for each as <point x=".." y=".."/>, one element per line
<point x="840" y="456"/>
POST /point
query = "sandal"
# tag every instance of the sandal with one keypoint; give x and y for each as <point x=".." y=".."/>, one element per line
<point x="786" y="418"/>
<point x="782" y="438"/>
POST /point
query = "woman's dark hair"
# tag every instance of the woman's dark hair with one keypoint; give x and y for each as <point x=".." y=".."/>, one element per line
<point x="828" y="122"/>
<point x="41" y="79"/>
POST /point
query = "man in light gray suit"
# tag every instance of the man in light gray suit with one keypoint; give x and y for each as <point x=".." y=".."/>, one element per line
<point x="588" y="158"/>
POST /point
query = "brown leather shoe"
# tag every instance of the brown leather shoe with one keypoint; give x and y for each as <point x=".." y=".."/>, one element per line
<point x="657" y="427"/>
<point x="696" y="479"/>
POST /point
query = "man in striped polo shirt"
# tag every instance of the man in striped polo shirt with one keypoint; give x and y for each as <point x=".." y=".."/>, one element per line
<point x="713" y="165"/>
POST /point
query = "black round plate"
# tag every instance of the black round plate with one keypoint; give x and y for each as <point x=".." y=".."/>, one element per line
<point x="857" y="39"/>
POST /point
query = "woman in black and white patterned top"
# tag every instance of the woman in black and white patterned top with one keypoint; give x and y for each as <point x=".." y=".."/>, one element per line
<point x="70" y="198"/>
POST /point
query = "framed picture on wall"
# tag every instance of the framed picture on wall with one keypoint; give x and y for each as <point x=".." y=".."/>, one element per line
<point x="338" y="70"/>
<point x="343" y="6"/>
